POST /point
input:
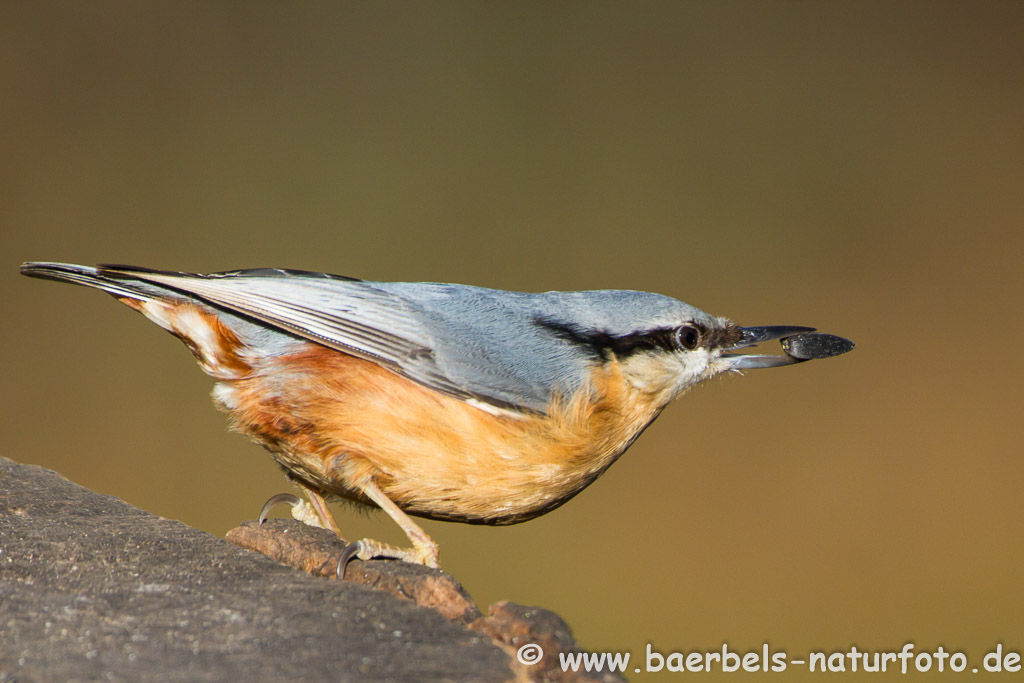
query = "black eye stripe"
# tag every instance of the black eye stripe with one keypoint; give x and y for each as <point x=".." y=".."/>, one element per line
<point x="605" y="345"/>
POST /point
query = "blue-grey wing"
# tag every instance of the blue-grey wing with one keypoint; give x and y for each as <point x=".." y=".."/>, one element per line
<point x="470" y="342"/>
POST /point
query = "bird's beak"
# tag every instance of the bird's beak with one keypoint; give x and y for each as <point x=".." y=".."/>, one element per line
<point x="799" y="344"/>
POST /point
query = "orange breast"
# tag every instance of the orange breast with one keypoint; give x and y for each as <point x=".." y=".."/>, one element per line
<point x="333" y="420"/>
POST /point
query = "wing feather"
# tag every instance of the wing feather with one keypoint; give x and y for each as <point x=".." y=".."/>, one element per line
<point x="354" y="317"/>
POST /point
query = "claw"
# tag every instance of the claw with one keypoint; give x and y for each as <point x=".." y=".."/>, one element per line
<point x="289" y="498"/>
<point x="367" y="549"/>
<point x="349" y="551"/>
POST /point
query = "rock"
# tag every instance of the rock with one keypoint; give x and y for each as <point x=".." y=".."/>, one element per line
<point x="91" y="588"/>
<point x="316" y="551"/>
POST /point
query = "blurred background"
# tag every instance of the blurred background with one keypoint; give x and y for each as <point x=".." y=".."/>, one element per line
<point x="854" y="166"/>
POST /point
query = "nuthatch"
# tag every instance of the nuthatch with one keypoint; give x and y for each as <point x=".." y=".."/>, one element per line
<point x="441" y="401"/>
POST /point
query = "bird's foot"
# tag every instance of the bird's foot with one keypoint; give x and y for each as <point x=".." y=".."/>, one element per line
<point x="367" y="548"/>
<point x="302" y="510"/>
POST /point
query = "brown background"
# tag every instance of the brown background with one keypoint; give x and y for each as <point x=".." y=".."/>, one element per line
<point x="855" y="166"/>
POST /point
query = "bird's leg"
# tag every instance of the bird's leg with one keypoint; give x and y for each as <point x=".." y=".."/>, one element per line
<point x="314" y="513"/>
<point x="423" y="551"/>
<point x="322" y="512"/>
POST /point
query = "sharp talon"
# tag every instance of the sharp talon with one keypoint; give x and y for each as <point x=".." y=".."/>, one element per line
<point x="289" y="498"/>
<point x="350" y="551"/>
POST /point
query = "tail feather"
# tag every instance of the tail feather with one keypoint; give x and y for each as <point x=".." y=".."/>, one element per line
<point x="208" y="333"/>
<point x="100" y="278"/>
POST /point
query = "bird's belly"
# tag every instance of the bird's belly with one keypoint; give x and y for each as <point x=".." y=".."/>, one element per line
<point x="333" y="421"/>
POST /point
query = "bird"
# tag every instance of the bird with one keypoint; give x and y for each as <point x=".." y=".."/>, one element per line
<point x="432" y="400"/>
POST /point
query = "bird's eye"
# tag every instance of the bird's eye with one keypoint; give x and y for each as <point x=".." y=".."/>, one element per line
<point x="689" y="337"/>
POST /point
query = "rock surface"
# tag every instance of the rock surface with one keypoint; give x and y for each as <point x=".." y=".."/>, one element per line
<point x="93" y="588"/>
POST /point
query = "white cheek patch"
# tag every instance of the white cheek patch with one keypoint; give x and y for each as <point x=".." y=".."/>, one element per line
<point x="694" y="364"/>
<point x="666" y="374"/>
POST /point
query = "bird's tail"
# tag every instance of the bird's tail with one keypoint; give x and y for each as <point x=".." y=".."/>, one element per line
<point x="207" y="332"/>
<point x="114" y="282"/>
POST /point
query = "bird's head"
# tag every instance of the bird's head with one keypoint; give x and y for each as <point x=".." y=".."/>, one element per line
<point x="665" y="346"/>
